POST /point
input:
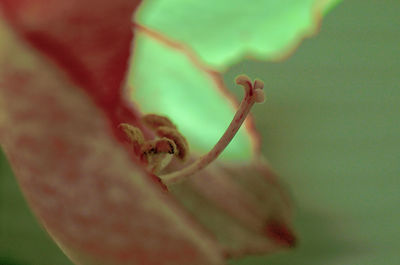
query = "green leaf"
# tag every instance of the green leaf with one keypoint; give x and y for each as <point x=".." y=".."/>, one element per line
<point x="22" y="240"/>
<point x="222" y="32"/>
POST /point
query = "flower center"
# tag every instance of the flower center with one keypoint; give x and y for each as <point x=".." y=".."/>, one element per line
<point x="158" y="153"/>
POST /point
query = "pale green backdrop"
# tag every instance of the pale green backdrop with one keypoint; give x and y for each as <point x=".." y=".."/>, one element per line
<point x="330" y="128"/>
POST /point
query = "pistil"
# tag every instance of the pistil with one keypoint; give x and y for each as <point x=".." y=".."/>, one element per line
<point x="253" y="94"/>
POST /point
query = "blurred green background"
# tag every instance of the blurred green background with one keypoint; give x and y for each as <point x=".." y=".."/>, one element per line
<point x="330" y="128"/>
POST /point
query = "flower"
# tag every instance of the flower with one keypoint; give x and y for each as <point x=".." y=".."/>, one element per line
<point x="62" y="70"/>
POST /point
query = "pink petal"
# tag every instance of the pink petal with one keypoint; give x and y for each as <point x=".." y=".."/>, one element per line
<point x="61" y="102"/>
<point x="57" y="129"/>
<point x="89" y="40"/>
<point x="242" y="204"/>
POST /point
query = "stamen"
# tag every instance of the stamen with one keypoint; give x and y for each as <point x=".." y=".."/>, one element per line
<point x="134" y="135"/>
<point x="180" y="141"/>
<point x="153" y="121"/>
<point x="253" y="94"/>
<point x="158" y="153"/>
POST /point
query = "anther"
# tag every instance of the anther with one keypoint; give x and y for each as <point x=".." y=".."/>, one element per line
<point x="153" y="121"/>
<point x="158" y="153"/>
<point x="180" y="141"/>
<point x="134" y="135"/>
